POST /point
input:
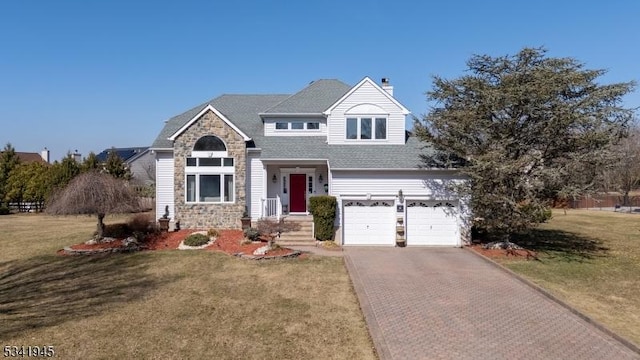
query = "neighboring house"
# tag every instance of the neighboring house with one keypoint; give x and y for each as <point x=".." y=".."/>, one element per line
<point x="140" y="160"/>
<point x="29" y="157"/>
<point x="271" y="153"/>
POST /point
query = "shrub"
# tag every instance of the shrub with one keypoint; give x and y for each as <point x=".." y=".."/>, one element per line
<point x="213" y="232"/>
<point x="196" y="240"/>
<point x="142" y="225"/>
<point x="323" y="209"/>
<point x="4" y="210"/>
<point x="118" y="230"/>
<point x="252" y="234"/>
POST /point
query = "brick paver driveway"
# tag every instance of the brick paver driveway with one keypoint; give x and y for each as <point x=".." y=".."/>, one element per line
<point x="430" y="303"/>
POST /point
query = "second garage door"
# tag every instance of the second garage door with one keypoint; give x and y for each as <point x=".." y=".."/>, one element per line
<point x="368" y="223"/>
<point x="432" y="223"/>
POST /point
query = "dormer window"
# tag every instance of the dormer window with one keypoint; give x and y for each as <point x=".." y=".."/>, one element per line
<point x="366" y="128"/>
<point x="297" y="125"/>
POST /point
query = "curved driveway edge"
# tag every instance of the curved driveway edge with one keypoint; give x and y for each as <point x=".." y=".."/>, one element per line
<point x="432" y="303"/>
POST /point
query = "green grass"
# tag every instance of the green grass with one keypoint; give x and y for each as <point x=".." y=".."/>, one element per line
<point x="170" y="304"/>
<point x="590" y="259"/>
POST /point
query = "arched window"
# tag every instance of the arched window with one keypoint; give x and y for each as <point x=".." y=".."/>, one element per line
<point x="209" y="143"/>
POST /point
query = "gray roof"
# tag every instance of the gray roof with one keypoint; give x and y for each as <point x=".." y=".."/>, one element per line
<point x="244" y="111"/>
<point x="314" y="99"/>
<point x="359" y="156"/>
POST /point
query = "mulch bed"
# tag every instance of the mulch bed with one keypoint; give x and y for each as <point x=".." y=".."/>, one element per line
<point x="228" y="241"/>
<point x="505" y="253"/>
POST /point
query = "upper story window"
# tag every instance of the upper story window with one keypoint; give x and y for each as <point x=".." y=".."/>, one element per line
<point x="210" y="172"/>
<point x="366" y="128"/>
<point x="209" y="143"/>
<point x="297" y="125"/>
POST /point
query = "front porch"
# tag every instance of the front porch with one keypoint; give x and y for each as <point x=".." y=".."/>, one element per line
<point x="288" y="188"/>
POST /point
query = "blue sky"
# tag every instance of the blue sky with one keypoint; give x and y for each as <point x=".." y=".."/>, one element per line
<point x="89" y="75"/>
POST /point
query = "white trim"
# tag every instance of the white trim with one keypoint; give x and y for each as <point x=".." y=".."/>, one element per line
<point x="270" y="115"/>
<point x="202" y="112"/>
<point x="366" y="79"/>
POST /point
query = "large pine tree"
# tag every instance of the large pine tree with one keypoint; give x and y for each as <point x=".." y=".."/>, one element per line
<point x="524" y="129"/>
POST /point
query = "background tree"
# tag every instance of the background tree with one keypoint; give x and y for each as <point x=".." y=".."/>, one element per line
<point x="524" y="129"/>
<point x="91" y="162"/>
<point x="623" y="174"/>
<point x="8" y="161"/>
<point x="116" y="167"/>
<point x="94" y="193"/>
<point x="62" y="172"/>
<point x="28" y="184"/>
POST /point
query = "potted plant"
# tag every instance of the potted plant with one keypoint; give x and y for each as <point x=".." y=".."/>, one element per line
<point x="164" y="220"/>
<point x="246" y="219"/>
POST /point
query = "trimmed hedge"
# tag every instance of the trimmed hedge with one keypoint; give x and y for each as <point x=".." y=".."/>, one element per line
<point x="323" y="209"/>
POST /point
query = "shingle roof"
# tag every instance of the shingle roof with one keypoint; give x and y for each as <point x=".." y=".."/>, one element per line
<point x="313" y="99"/>
<point x="244" y="111"/>
<point x="241" y="109"/>
<point x="28" y="157"/>
<point x="359" y="156"/>
<point x="124" y="153"/>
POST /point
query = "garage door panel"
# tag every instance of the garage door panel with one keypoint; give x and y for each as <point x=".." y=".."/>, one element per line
<point x="431" y="223"/>
<point x="369" y="223"/>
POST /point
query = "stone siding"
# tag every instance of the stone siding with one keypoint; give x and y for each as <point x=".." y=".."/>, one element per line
<point x="205" y="216"/>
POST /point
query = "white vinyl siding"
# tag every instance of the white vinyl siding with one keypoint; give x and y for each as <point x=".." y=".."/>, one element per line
<point x="164" y="183"/>
<point x="312" y="126"/>
<point x="387" y="183"/>
<point x="367" y="94"/>
<point x="255" y="185"/>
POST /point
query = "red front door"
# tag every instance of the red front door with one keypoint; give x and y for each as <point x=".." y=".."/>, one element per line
<point x="298" y="196"/>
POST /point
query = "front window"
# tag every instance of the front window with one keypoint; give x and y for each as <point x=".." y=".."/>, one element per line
<point x="366" y="128"/>
<point x="297" y="126"/>
<point x="282" y="125"/>
<point x="209" y="180"/>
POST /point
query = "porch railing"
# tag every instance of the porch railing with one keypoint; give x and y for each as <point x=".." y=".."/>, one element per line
<point x="272" y="207"/>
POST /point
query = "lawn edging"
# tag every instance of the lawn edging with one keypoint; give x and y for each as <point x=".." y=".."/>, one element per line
<point x="628" y="343"/>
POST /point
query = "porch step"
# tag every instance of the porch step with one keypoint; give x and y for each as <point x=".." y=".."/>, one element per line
<point x="303" y="235"/>
<point x="296" y="242"/>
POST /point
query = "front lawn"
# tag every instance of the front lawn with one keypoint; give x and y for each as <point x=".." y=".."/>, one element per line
<point x="590" y="259"/>
<point x="170" y="304"/>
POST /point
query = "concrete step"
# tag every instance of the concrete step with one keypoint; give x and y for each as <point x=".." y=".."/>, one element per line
<point x="297" y="234"/>
<point x="299" y="219"/>
<point x="296" y="242"/>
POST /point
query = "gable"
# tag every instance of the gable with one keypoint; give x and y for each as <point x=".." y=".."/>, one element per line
<point x="200" y="114"/>
<point x="373" y="92"/>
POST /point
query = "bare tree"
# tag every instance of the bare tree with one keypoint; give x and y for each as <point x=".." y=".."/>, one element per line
<point x="272" y="228"/>
<point x="94" y="193"/>
<point x="623" y="175"/>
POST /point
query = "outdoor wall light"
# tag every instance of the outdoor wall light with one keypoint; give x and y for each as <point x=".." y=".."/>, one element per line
<point x="400" y="196"/>
<point x="274" y="179"/>
<point x="320" y="179"/>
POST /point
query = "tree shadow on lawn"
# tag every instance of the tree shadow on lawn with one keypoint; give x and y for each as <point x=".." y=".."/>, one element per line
<point x="557" y="243"/>
<point x="49" y="290"/>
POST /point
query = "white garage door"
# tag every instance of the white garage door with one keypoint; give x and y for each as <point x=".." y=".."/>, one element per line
<point x="369" y="223"/>
<point x="432" y="223"/>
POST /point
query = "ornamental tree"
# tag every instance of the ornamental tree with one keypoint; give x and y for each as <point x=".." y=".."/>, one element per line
<point x="94" y="193"/>
<point x="524" y="129"/>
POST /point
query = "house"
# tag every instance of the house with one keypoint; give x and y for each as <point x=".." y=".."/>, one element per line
<point x="140" y="160"/>
<point x="29" y="157"/>
<point x="271" y="153"/>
